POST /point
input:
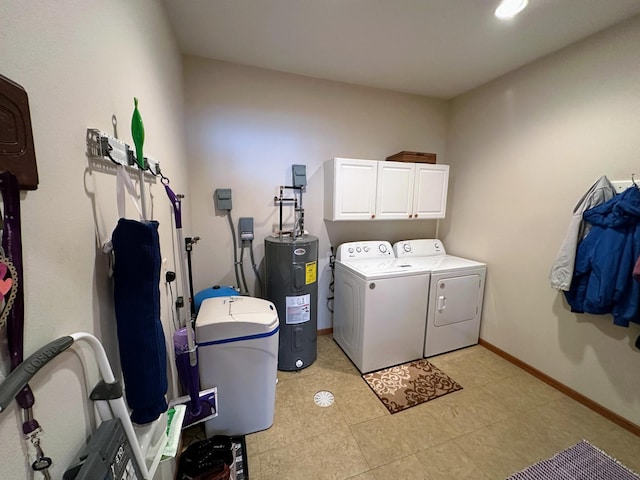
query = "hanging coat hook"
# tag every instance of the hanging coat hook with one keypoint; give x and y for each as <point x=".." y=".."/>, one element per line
<point x="633" y="180"/>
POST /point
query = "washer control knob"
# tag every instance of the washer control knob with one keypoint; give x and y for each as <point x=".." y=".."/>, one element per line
<point x="383" y="248"/>
<point x="366" y="249"/>
<point x="350" y="249"/>
<point x="358" y="249"/>
<point x="406" y="247"/>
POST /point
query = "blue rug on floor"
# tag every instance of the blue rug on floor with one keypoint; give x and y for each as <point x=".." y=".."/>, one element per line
<point x="583" y="461"/>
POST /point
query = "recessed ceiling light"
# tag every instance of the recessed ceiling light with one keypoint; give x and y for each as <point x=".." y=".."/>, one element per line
<point x="510" y="8"/>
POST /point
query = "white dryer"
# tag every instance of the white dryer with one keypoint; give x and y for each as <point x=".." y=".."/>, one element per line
<point x="456" y="293"/>
<point x="379" y="305"/>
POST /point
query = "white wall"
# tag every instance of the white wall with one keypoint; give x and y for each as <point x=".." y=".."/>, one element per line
<point x="247" y="126"/>
<point x="523" y="150"/>
<point x="80" y="63"/>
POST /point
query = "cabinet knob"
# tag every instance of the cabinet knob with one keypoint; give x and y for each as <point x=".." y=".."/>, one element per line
<point x="410" y="216"/>
<point x="373" y="216"/>
<point x="415" y="216"/>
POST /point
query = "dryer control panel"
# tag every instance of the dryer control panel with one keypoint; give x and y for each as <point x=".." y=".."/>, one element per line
<point x="365" y="249"/>
<point x="425" y="247"/>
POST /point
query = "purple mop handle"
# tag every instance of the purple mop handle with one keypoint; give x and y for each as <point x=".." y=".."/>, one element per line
<point x="177" y="205"/>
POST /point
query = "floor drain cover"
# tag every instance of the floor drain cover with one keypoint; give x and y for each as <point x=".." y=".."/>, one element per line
<point x="323" y="398"/>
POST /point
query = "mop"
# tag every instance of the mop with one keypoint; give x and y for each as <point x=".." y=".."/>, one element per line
<point x="200" y="404"/>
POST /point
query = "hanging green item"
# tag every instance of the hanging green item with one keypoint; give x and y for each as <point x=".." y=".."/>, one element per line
<point x="137" y="132"/>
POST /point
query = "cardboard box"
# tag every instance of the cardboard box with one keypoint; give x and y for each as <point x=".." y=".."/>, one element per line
<point x="414" y="157"/>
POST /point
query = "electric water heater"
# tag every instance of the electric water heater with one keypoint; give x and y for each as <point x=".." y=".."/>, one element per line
<point x="291" y="284"/>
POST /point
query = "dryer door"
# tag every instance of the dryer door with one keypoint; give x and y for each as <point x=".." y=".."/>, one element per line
<point x="455" y="308"/>
<point x="456" y="299"/>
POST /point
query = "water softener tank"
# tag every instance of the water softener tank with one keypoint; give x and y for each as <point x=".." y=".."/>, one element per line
<point x="291" y="284"/>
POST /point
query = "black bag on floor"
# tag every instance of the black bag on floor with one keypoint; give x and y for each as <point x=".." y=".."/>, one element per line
<point x="208" y="459"/>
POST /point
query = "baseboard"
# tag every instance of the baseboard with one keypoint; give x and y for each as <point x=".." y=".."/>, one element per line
<point x="325" y="331"/>
<point x="578" y="397"/>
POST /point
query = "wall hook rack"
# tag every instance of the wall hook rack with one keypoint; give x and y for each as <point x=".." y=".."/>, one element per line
<point x="105" y="152"/>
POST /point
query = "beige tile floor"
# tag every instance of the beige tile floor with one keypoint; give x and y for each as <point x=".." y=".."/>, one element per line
<point x="502" y="420"/>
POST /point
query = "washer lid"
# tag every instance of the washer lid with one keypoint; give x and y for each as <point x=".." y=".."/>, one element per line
<point x="374" y="268"/>
<point x="234" y="318"/>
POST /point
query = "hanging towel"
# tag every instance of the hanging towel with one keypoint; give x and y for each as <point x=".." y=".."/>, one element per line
<point x="564" y="264"/>
<point x="143" y="355"/>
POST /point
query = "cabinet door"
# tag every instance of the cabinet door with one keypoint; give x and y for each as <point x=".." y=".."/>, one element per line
<point x="395" y="190"/>
<point x="430" y="191"/>
<point x="354" y="191"/>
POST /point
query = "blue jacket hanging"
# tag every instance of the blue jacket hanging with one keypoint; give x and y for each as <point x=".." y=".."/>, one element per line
<point x="603" y="281"/>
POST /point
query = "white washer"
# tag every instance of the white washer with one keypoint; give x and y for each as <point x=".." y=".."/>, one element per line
<point x="456" y="293"/>
<point x="379" y="306"/>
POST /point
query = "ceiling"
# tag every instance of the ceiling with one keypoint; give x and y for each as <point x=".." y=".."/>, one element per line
<point x="438" y="48"/>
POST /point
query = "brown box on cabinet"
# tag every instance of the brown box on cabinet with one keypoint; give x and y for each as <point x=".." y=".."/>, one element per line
<point x="414" y="157"/>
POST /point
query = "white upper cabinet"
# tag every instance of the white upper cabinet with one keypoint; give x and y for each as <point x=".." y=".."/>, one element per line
<point x="430" y="190"/>
<point x="381" y="190"/>
<point x="350" y="189"/>
<point x="394" y="192"/>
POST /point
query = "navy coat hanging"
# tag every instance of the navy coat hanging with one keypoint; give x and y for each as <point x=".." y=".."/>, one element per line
<point x="603" y="280"/>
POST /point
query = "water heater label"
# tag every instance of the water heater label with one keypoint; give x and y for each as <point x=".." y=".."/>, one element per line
<point x="311" y="272"/>
<point x="298" y="309"/>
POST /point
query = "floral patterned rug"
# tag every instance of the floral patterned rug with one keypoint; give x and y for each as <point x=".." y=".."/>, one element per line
<point x="410" y="384"/>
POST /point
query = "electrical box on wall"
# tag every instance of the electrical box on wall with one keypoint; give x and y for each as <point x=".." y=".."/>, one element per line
<point x="299" y="173"/>
<point x="245" y="228"/>
<point x="222" y="198"/>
